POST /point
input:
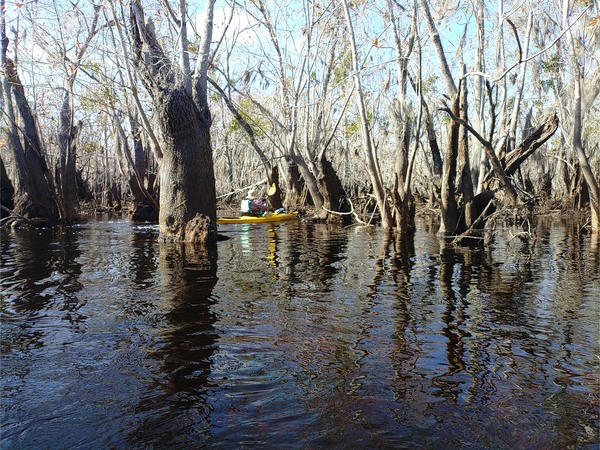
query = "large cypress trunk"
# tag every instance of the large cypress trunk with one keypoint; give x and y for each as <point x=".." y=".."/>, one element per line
<point x="188" y="211"/>
<point x="6" y="191"/>
<point x="334" y="195"/>
<point x="33" y="197"/>
<point x="274" y="200"/>
<point x="294" y="184"/>
<point x="187" y="183"/>
<point x="588" y="174"/>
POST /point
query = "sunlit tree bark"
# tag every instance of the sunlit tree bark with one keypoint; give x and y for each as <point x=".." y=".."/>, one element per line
<point x="448" y="203"/>
<point x="288" y="93"/>
<point x="188" y="209"/>
<point x="580" y="100"/>
<point x="141" y="150"/>
<point x="479" y="96"/>
<point x="520" y="86"/>
<point x="588" y="174"/>
<point x="34" y="199"/>
<point x="367" y="141"/>
<point x="274" y="199"/>
<point x="135" y="169"/>
<point x="299" y="114"/>
<point x="68" y="128"/>
<point x="468" y="215"/>
<point x="402" y="197"/>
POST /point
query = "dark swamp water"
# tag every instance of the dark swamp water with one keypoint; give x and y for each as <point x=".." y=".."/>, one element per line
<point x="298" y="336"/>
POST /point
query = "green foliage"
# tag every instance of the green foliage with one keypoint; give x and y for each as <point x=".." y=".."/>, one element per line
<point x="546" y="85"/>
<point x="342" y="70"/>
<point x="94" y="99"/>
<point x="553" y="64"/>
<point x="89" y="147"/>
<point x="352" y="128"/>
<point x="537" y="104"/>
<point x="428" y="84"/>
<point x="256" y="122"/>
<point x="94" y="67"/>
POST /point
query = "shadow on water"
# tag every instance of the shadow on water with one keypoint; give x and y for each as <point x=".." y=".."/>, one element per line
<point x="300" y="335"/>
<point x="505" y="315"/>
<point x="174" y="412"/>
<point x="39" y="282"/>
<point x="109" y="337"/>
<point x="40" y="311"/>
<point x="46" y="274"/>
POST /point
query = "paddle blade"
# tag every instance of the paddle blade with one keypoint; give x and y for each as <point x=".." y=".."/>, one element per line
<point x="272" y="190"/>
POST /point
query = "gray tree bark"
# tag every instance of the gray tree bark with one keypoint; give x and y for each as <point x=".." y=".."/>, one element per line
<point x="66" y="172"/>
<point x="34" y="197"/>
<point x="372" y="162"/>
<point x="188" y="211"/>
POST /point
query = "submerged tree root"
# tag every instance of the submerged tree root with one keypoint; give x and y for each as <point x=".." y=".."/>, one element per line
<point x="15" y="220"/>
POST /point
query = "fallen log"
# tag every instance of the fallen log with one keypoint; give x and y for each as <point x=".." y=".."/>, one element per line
<point x="535" y="140"/>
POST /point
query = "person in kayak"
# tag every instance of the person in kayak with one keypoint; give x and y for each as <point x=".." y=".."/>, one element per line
<point x="253" y="203"/>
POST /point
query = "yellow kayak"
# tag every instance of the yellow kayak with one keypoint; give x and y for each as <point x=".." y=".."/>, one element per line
<point x="271" y="217"/>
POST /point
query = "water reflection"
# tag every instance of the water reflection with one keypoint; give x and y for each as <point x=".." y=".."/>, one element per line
<point x="39" y="281"/>
<point x="312" y="258"/>
<point x="174" y="410"/>
<point x="53" y="276"/>
<point x="403" y="356"/>
<point x="301" y="334"/>
<point x="143" y="266"/>
<point x="39" y="284"/>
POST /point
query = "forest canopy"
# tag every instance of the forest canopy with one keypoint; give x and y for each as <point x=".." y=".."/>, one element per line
<point x="356" y="111"/>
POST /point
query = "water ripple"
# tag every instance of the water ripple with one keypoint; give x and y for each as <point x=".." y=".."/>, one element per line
<point x="297" y="335"/>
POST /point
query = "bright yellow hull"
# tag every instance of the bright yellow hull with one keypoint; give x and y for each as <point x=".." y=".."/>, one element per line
<point x="272" y="217"/>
